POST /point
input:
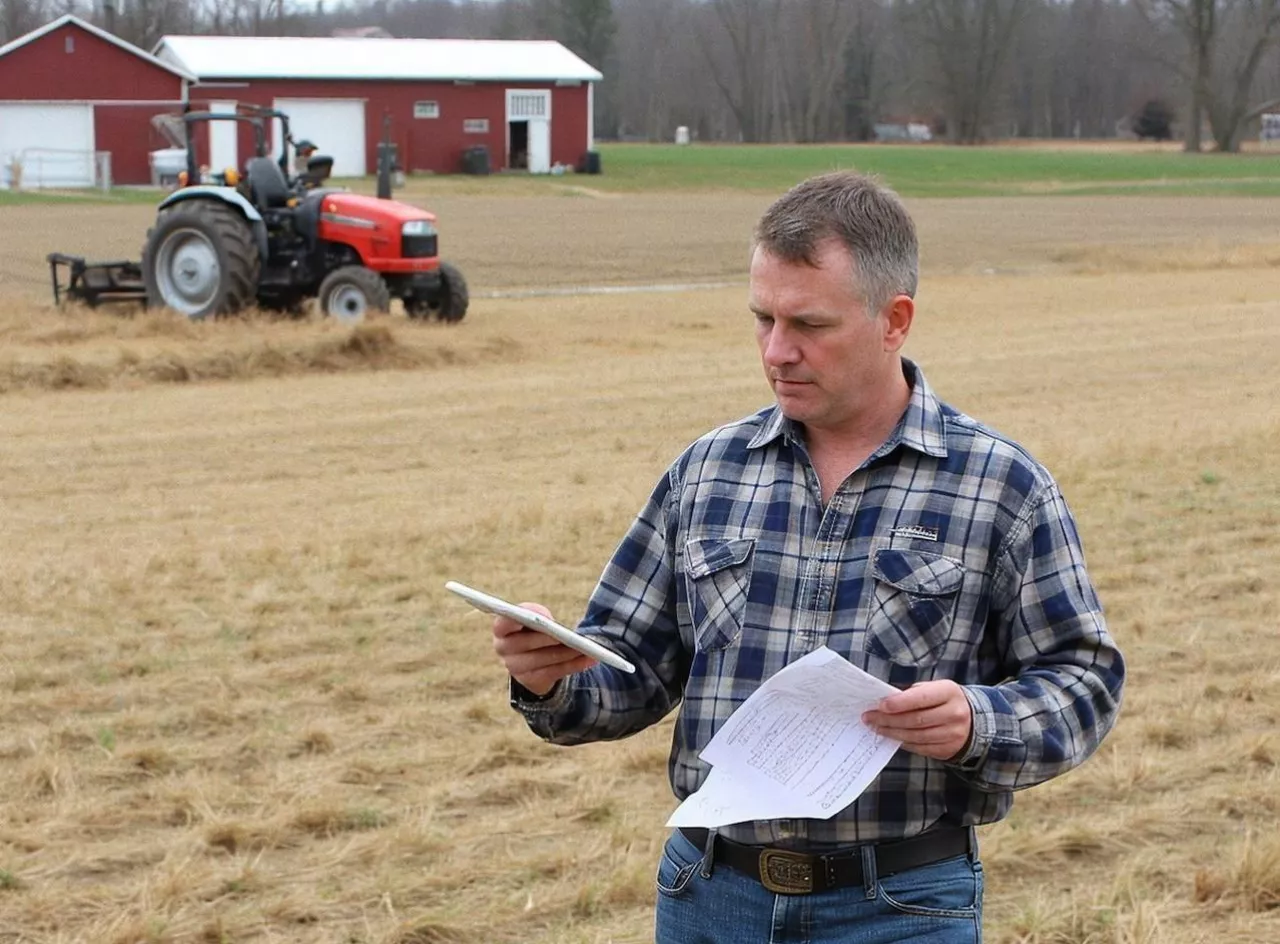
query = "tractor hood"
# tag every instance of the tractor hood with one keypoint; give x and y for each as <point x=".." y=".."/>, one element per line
<point x="390" y="213"/>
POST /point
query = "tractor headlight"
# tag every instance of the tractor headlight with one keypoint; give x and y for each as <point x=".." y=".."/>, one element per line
<point x="417" y="228"/>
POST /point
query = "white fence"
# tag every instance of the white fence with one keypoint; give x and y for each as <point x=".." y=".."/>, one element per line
<point x="55" y="168"/>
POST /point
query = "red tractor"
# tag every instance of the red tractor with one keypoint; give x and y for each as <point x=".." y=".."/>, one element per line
<point x="268" y="238"/>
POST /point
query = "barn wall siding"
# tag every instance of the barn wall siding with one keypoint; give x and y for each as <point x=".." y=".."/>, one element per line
<point x="430" y="144"/>
<point x="125" y="130"/>
<point x="94" y="69"/>
<point x="90" y="69"/>
<point x="72" y="64"/>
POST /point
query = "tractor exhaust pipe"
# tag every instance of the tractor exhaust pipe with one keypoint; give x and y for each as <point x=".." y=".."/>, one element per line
<point x="384" y="159"/>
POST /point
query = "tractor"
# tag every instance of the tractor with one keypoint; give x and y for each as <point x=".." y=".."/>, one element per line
<point x="221" y="243"/>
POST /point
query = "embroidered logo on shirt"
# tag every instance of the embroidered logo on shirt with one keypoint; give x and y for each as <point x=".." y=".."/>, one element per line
<point x="916" y="531"/>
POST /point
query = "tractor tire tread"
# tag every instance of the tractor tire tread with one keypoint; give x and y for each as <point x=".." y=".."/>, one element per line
<point x="371" y="283"/>
<point x="455" y="298"/>
<point x="233" y="234"/>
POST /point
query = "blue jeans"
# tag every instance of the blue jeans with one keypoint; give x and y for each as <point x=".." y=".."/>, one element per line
<point x="939" y="903"/>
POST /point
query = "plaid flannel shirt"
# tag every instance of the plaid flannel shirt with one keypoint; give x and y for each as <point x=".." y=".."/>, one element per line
<point x="949" y="554"/>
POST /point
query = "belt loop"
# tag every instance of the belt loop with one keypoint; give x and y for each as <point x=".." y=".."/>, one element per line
<point x="973" y="844"/>
<point x="870" y="880"/>
<point x="709" y="854"/>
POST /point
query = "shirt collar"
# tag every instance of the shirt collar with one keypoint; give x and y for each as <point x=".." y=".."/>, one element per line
<point x="922" y="426"/>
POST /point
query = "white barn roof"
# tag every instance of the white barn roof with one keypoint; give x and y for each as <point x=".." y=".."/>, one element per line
<point x="298" y="57"/>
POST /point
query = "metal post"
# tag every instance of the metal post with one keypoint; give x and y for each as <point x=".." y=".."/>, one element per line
<point x="384" y="159"/>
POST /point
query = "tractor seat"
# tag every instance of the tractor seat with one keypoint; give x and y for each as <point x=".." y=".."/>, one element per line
<point x="267" y="183"/>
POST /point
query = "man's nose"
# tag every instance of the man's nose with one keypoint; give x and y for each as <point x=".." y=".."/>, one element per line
<point x="780" y="348"/>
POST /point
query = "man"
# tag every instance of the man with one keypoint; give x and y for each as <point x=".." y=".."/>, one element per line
<point x="863" y="514"/>
<point x="302" y="153"/>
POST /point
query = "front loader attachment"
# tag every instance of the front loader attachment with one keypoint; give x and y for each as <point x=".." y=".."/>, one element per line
<point x="95" y="282"/>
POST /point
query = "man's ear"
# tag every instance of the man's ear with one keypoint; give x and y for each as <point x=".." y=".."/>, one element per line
<point x="898" y="313"/>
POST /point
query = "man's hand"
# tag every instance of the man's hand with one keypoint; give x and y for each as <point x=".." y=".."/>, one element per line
<point x="534" y="659"/>
<point x="930" y="718"/>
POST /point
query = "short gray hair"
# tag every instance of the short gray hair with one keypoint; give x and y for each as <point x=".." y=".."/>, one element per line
<point x="865" y="217"/>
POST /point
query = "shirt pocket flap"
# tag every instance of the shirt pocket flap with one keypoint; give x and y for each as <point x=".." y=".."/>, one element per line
<point x="706" y="557"/>
<point x="917" y="573"/>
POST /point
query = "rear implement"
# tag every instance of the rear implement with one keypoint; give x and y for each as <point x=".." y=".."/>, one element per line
<point x="95" y="282"/>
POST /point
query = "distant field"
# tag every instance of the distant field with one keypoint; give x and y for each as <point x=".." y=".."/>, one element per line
<point x="945" y="171"/>
<point x="1009" y="169"/>
<point x="237" y="705"/>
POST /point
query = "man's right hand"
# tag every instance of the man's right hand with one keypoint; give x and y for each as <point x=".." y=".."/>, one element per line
<point x="534" y="659"/>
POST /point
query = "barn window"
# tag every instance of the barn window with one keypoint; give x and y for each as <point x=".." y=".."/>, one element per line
<point x="426" y="109"/>
<point x="476" y="126"/>
<point x="527" y="105"/>
<point x="69" y="44"/>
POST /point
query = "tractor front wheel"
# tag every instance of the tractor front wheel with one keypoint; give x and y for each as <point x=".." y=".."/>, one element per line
<point x="200" y="259"/>
<point x="448" y="302"/>
<point x="347" y="294"/>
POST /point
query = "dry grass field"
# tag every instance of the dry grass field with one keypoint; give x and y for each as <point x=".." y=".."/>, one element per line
<point x="236" y="704"/>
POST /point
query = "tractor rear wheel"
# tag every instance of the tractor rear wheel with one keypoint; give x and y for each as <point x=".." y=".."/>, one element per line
<point x="448" y="302"/>
<point x="200" y="259"/>
<point x="347" y="294"/>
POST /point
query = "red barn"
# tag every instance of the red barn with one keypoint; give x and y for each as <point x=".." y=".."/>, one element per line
<point x="529" y="104"/>
<point x="69" y="91"/>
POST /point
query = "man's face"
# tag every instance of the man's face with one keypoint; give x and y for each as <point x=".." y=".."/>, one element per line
<point x="826" y="360"/>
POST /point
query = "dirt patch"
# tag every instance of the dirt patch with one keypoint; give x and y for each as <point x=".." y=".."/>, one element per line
<point x="588" y="192"/>
<point x="513" y="242"/>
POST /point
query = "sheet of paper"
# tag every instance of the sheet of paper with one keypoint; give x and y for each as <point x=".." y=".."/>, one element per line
<point x="796" y="749"/>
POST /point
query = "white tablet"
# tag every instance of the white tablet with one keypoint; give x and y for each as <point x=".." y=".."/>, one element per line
<point x="531" y="620"/>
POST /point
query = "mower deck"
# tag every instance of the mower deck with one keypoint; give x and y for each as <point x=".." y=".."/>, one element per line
<point x="94" y="282"/>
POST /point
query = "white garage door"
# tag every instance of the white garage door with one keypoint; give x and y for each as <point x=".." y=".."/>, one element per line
<point x="54" y="143"/>
<point x="334" y="125"/>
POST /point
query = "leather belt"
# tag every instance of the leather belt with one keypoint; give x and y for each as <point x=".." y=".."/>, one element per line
<point x="786" y="872"/>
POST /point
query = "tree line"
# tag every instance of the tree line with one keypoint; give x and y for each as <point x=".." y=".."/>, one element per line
<point x="825" y="70"/>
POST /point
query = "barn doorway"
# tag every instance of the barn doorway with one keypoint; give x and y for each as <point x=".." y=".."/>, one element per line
<point x="529" y="130"/>
<point x="518" y="150"/>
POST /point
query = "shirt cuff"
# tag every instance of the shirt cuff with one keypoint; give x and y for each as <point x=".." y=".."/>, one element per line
<point x="529" y="704"/>
<point x="981" y="731"/>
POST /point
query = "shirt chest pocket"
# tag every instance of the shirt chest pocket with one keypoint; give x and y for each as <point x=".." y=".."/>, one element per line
<point x="913" y="606"/>
<point x="717" y="582"/>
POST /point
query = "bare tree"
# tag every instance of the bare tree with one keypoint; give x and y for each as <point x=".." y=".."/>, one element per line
<point x="436" y="19"/>
<point x="812" y="70"/>
<point x="969" y="42"/>
<point x="1226" y="44"/>
<point x="585" y="26"/>
<point x="661" y="84"/>
<point x="737" y="40"/>
<point x="813" y="37"/>
<point x="514" y="19"/>
<point x="1252" y="29"/>
<point x="144" y="22"/>
<point x="860" y="61"/>
<point x="1197" y="22"/>
<point x="18" y="17"/>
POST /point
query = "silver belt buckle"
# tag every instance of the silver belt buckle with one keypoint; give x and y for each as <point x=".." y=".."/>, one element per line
<point x="786" y="873"/>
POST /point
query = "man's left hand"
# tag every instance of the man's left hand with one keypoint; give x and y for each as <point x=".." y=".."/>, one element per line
<point x="930" y="718"/>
